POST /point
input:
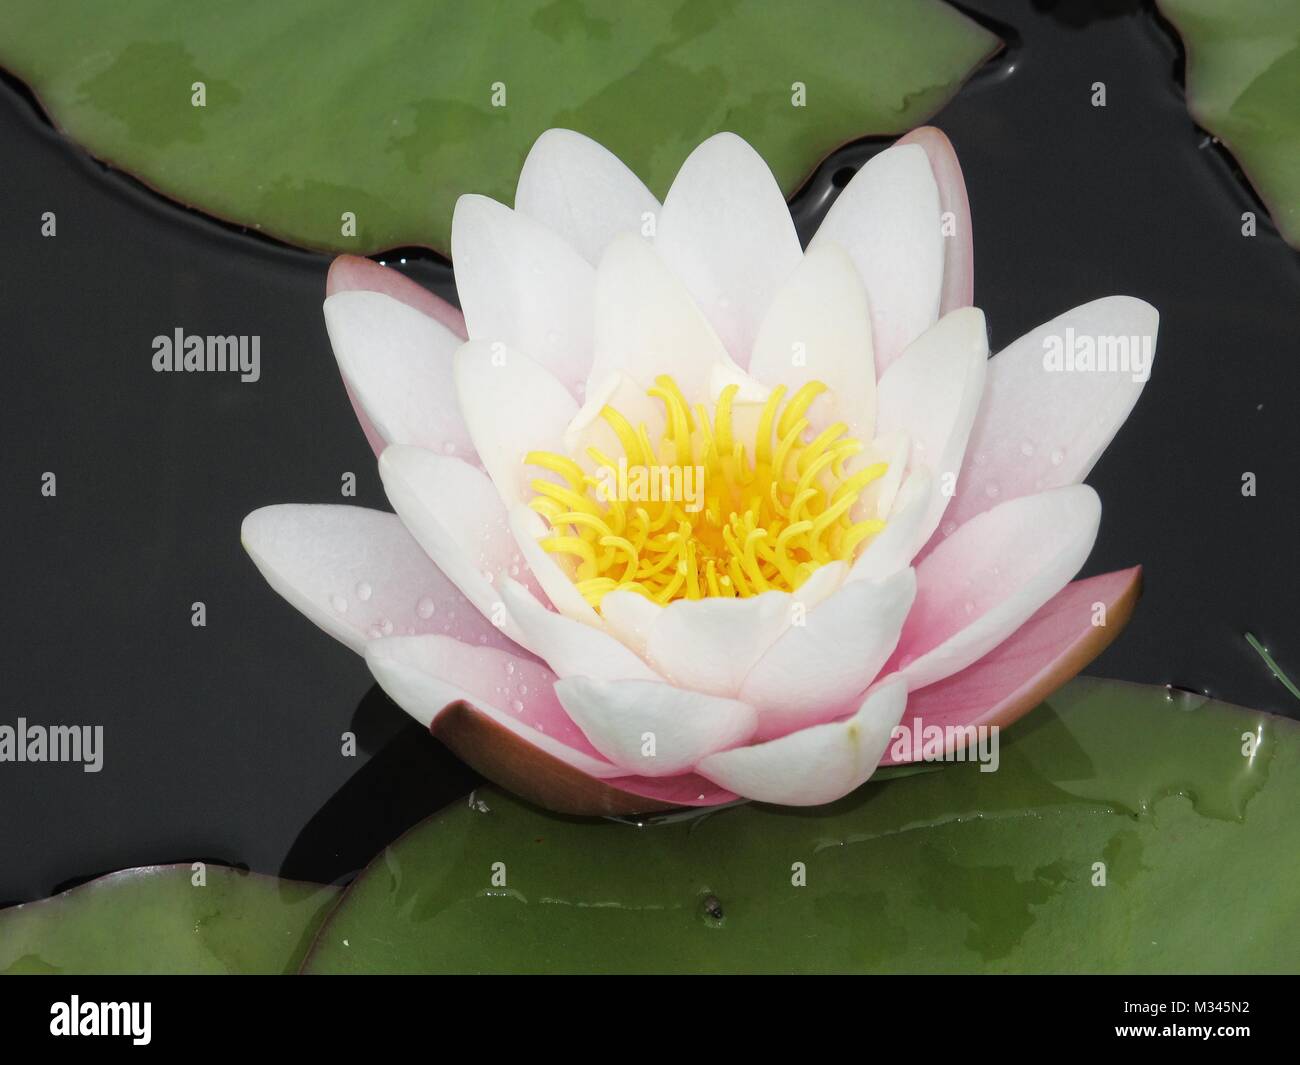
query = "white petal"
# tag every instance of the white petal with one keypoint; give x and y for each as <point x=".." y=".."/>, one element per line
<point x="397" y="362"/>
<point x="818" y="328"/>
<point x="359" y="575"/>
<point x="456" y="515"/>
<point x="897" y="543"/>
<point x="570" y="647"/>
<point x="816" y="668"/>
<point x="589" y="430"/>
<point x="653" y="729"/>
<point x="822" y="584"/>
<point x="523" y="286"/>
<point x="932" y="393"/>
<point x="1038" y="429"/>
<point x="582" y="191"/>
<point x="987" y="579"/>
<point x="647" y="323"/>
<point x="726" y="231"/>
<point x="888" y="220"/>
<point x="426" y="674"/>
<point x="815" y="765"/>
<point x="528" y="528"/>
<point x="877" y="499"/>
<point x="711" y="644"/>
<point x="512" y="405"/>
<point x="630" y="616"/>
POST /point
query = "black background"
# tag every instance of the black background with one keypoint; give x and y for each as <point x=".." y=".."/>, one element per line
<point x="223" y="742"/>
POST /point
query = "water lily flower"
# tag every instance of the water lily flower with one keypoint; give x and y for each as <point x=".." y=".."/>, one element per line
<point x="685" y="512"/>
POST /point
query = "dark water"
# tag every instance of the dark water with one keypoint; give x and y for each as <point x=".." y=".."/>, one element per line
<point x="223" y="742"/>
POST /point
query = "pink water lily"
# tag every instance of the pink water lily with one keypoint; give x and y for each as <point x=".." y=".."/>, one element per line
<point x="685" y="512"/>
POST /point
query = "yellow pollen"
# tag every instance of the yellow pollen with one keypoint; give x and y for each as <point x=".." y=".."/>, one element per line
<point x="703" y="515"/>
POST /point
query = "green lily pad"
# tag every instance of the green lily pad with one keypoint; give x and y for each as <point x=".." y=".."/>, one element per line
<point x="319" y="107"/>
<point x="1243" y="84"/>
<point x="157" y="920"/>
<point x="953" y="870"/>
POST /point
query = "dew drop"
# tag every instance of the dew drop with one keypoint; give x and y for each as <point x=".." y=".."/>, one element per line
<point x="425" y="607"/>
<point x="364" y="591"/>
<point x="339" y="603"/>
<point x="1058" y="456"/>
<point x="449" y="448"/>
<point x="969" y="607"/>
<point x="1027" y="449"/>
<point x="991" y="490"/>
<point x="510" y="669"/>
<point x="385" y="626"/>
<point x="517" y="706"/>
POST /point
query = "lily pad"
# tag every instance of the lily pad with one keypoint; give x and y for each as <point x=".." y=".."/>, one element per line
<point x="1243" y="82"/>
<point x="1185" y="806"/>
<point x="314" y="108"/>
<point x="157" y="920"/>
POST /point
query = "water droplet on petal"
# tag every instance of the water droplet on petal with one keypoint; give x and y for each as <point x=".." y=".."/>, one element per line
<point x="991" y="490"/>
<point x="426" y="607"/>
<point x="1027" y="449"/>
<point x="339" y="603"/>
<point x="517" y="706"/>
<point x="363" y="591"/>
<point x="1058" y="456"/>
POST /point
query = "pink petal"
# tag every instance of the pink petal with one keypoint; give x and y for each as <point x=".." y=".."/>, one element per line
<point x="816" y="668"/>
<point x="397" y="365"/>
<point x="990" y="577"/>
<point x="349" y="273"/>
<point x="1040" y="428"/>
<point x="571" y="648"/>
<point x="582" y="191"/>
<point x="523" y="286"/>
<point x="689" y="789"/>
<point x="425" y="675"/>
<point x="887" y="219"/>
<point x="818" y="764"/>
<point x="726" y="232"/>
<point x="1045" y="652"/>
<point x="959" y="251"/>
<point x="359" y="575"/>
<point x="470" y="539"/>
<point x="620" y="716"/>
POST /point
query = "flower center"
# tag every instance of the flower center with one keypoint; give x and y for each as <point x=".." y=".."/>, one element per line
<point x="701" y="515"/>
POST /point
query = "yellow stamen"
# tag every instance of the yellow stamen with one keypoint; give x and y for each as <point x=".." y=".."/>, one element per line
<point x="695" y="517"/>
